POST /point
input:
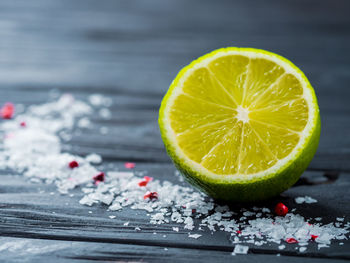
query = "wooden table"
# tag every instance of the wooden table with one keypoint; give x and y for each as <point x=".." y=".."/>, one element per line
<point x="131" y="51"/>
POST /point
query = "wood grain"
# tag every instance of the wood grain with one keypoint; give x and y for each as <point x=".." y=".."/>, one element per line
<point x="131" y="51"/>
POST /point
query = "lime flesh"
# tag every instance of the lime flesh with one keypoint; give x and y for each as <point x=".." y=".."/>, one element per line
<point x="241" y="124"/>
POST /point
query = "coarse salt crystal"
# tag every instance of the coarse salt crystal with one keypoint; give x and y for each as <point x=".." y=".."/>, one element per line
<point x="302" y="249"/>
<point x="306" y="199"/>
<point x="240" y="249"/>
<point x="195" y="236"/>
<point x="94" y="158"/>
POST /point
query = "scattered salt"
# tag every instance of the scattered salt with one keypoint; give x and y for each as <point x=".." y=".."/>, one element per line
<point x="84" y="123"/>
<point x="105" y="113"/>
<point x="100" y="100"/>
<point x="281" y="247"/>
<point x="94" y="158"/>
<point x="240" y="249"/>
<point x="302" y="249"/>
<point x="36" y="152"/>
<point x="195" y="236"/>
<point x="112" y="217"/>
<point x="306" y="199"/>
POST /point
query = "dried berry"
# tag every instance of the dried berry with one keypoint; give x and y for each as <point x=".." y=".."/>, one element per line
<point x="151" y="196"/>
<point x="99" y="178"/>
<point x="281" y="209"/>
<point x="145" y="181"/>
<point x="313" y="237"/>
<point x="129" y="165"/>
<point x="147" y="178"/>
<point x="7" y="111"/>
<point x="291" y="240"/>
<point x="73" y="164"/>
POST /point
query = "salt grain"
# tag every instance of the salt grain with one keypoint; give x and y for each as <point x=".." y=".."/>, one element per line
<point x="195" y="236"/>
<point x="306" y="199"/>
<point x="105" y="113"/>
<point x="240" y="249"/>
<point x="281" y="247"/>
<point x="302" y="249"/>
<point x="94" y="158"/>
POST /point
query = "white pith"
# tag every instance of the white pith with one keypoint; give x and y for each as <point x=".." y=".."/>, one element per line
<point x="242" y="114"/>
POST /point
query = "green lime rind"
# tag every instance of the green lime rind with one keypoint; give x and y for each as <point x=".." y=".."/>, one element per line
<point x="259" y="188"/>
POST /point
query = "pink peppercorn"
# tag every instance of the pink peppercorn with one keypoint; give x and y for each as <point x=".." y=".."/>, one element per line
<point x="73" y="164"/>
<point x="151" y="196"/>
<point x="281" y="209"/>
<point x="291" y="240"/>
<point x="129" y="165"/>
<point x="313" y="237"/>
<point x="7" y="111"/>
<point x="145" y="181"/>
<point x="99" y="178"/>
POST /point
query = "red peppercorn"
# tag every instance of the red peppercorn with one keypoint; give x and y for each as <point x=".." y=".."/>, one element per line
<point x="281" y="209"/>
<point x="145" y="181"/>
<point x="147" y="178"/>
<point x="129" y="165"/>
<point x="239" y="232"/>
<point x="73" y="164"/>
<point x="99" y="178"/>
<point x="7" y="111"/>
<point x="291" y="240"/>
<point x="313" y="237"/>
<point x="151" y="196"/>
<point x="23" y="124"/>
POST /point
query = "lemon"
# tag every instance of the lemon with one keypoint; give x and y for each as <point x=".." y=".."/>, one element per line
<point x="241" y="124"/>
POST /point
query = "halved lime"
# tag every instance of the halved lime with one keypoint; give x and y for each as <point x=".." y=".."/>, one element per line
<point x="241" y="124"/>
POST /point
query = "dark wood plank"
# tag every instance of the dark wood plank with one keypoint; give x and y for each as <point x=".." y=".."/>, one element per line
<point x="18" y="249"/>
<point x="131" y="51"/>
<point x="28" y="212"/>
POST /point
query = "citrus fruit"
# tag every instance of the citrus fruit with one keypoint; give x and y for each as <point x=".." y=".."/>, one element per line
<point x="241" y="124"/>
